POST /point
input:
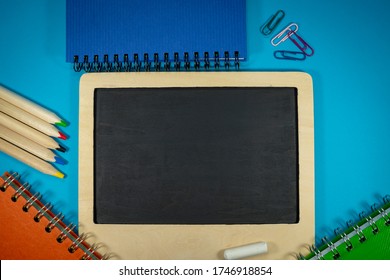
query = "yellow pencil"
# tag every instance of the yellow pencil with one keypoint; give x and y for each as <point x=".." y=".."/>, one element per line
<point x="29" y="159"/>
<point x="30" y="107"/>
<point x="30" y="119"/>
<point x="30" y="133"/>
<point x="29" y="145"/>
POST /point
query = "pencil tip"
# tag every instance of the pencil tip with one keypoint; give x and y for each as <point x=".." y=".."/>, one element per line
<point x="62" y="136"/>
<point x="59" y="160"/>
<point x="59" y="175"/>
<point x="61" y="148"/>
<point x="61" y="123"/>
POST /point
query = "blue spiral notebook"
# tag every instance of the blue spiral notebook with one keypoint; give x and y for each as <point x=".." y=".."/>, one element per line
<point x="170" y="34"/>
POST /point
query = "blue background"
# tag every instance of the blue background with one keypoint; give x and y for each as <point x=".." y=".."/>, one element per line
<point x="351" y="93"/>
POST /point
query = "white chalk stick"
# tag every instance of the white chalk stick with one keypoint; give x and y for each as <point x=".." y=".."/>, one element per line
<point x="246" y="251"/>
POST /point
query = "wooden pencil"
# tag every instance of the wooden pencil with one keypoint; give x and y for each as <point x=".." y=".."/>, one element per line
<point x="29" y="159"/>
<point x="29" y="145"/>
<point x="30" y="119"/>
<point x="30" y="107"/>
<point x="31" y="133"/>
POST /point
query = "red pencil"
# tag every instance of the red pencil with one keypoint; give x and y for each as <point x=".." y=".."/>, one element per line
<point x="30" y="120"/>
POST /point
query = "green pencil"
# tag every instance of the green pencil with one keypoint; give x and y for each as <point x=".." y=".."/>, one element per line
<point x="30" y="107"/>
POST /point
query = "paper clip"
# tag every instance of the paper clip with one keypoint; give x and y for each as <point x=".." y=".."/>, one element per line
<point x="289" y="55"/>
<point x="286" y="33"/>
<point x="300" y="43"/>
<point x="273" y="22"/>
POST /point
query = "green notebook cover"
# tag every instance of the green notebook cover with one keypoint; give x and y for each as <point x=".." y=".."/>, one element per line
<point x="368" y="239"/>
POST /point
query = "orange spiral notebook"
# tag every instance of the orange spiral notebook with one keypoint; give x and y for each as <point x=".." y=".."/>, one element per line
<point x="30" y="230"/>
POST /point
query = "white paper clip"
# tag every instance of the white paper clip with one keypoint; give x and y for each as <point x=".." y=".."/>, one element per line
<point x="287" y="32"/>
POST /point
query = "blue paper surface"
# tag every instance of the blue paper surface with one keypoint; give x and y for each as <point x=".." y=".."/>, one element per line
<point x="120" y="27"/>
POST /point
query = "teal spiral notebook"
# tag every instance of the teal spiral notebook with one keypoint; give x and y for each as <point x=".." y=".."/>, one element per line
<point x="366" y="239"/>
<point x="122" y="35"/>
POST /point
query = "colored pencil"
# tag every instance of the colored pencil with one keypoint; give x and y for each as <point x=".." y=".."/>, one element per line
<point x="30" y="133"/>
<point x="29" y="159"/>
<point x="30" y="107"/>
<point x="30" y="120"/>
<point x="29" y="145"/>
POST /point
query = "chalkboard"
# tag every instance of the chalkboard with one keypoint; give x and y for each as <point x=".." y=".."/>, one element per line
<point x="196" y="155"/>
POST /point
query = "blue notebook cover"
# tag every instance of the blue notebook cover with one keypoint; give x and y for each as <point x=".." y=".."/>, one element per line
<point x="138" y="27"/>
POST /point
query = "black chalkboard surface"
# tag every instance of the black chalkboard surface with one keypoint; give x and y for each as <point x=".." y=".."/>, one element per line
<point x="218" y="155"/>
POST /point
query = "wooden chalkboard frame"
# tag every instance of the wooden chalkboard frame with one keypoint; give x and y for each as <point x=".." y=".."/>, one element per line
<point x="198" y="241"/>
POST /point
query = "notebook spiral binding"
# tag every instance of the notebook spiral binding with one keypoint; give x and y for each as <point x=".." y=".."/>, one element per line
<point x="137" y="64"/>
<point x="343" y="237"/>
<point x="67" y="231"/>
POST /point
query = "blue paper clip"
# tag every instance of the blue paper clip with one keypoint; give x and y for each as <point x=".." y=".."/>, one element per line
<point x="273" y="22"/>
<point x="289" y="55"/>
<point x="286" y="32"/>
<point x="300" y="43"/>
